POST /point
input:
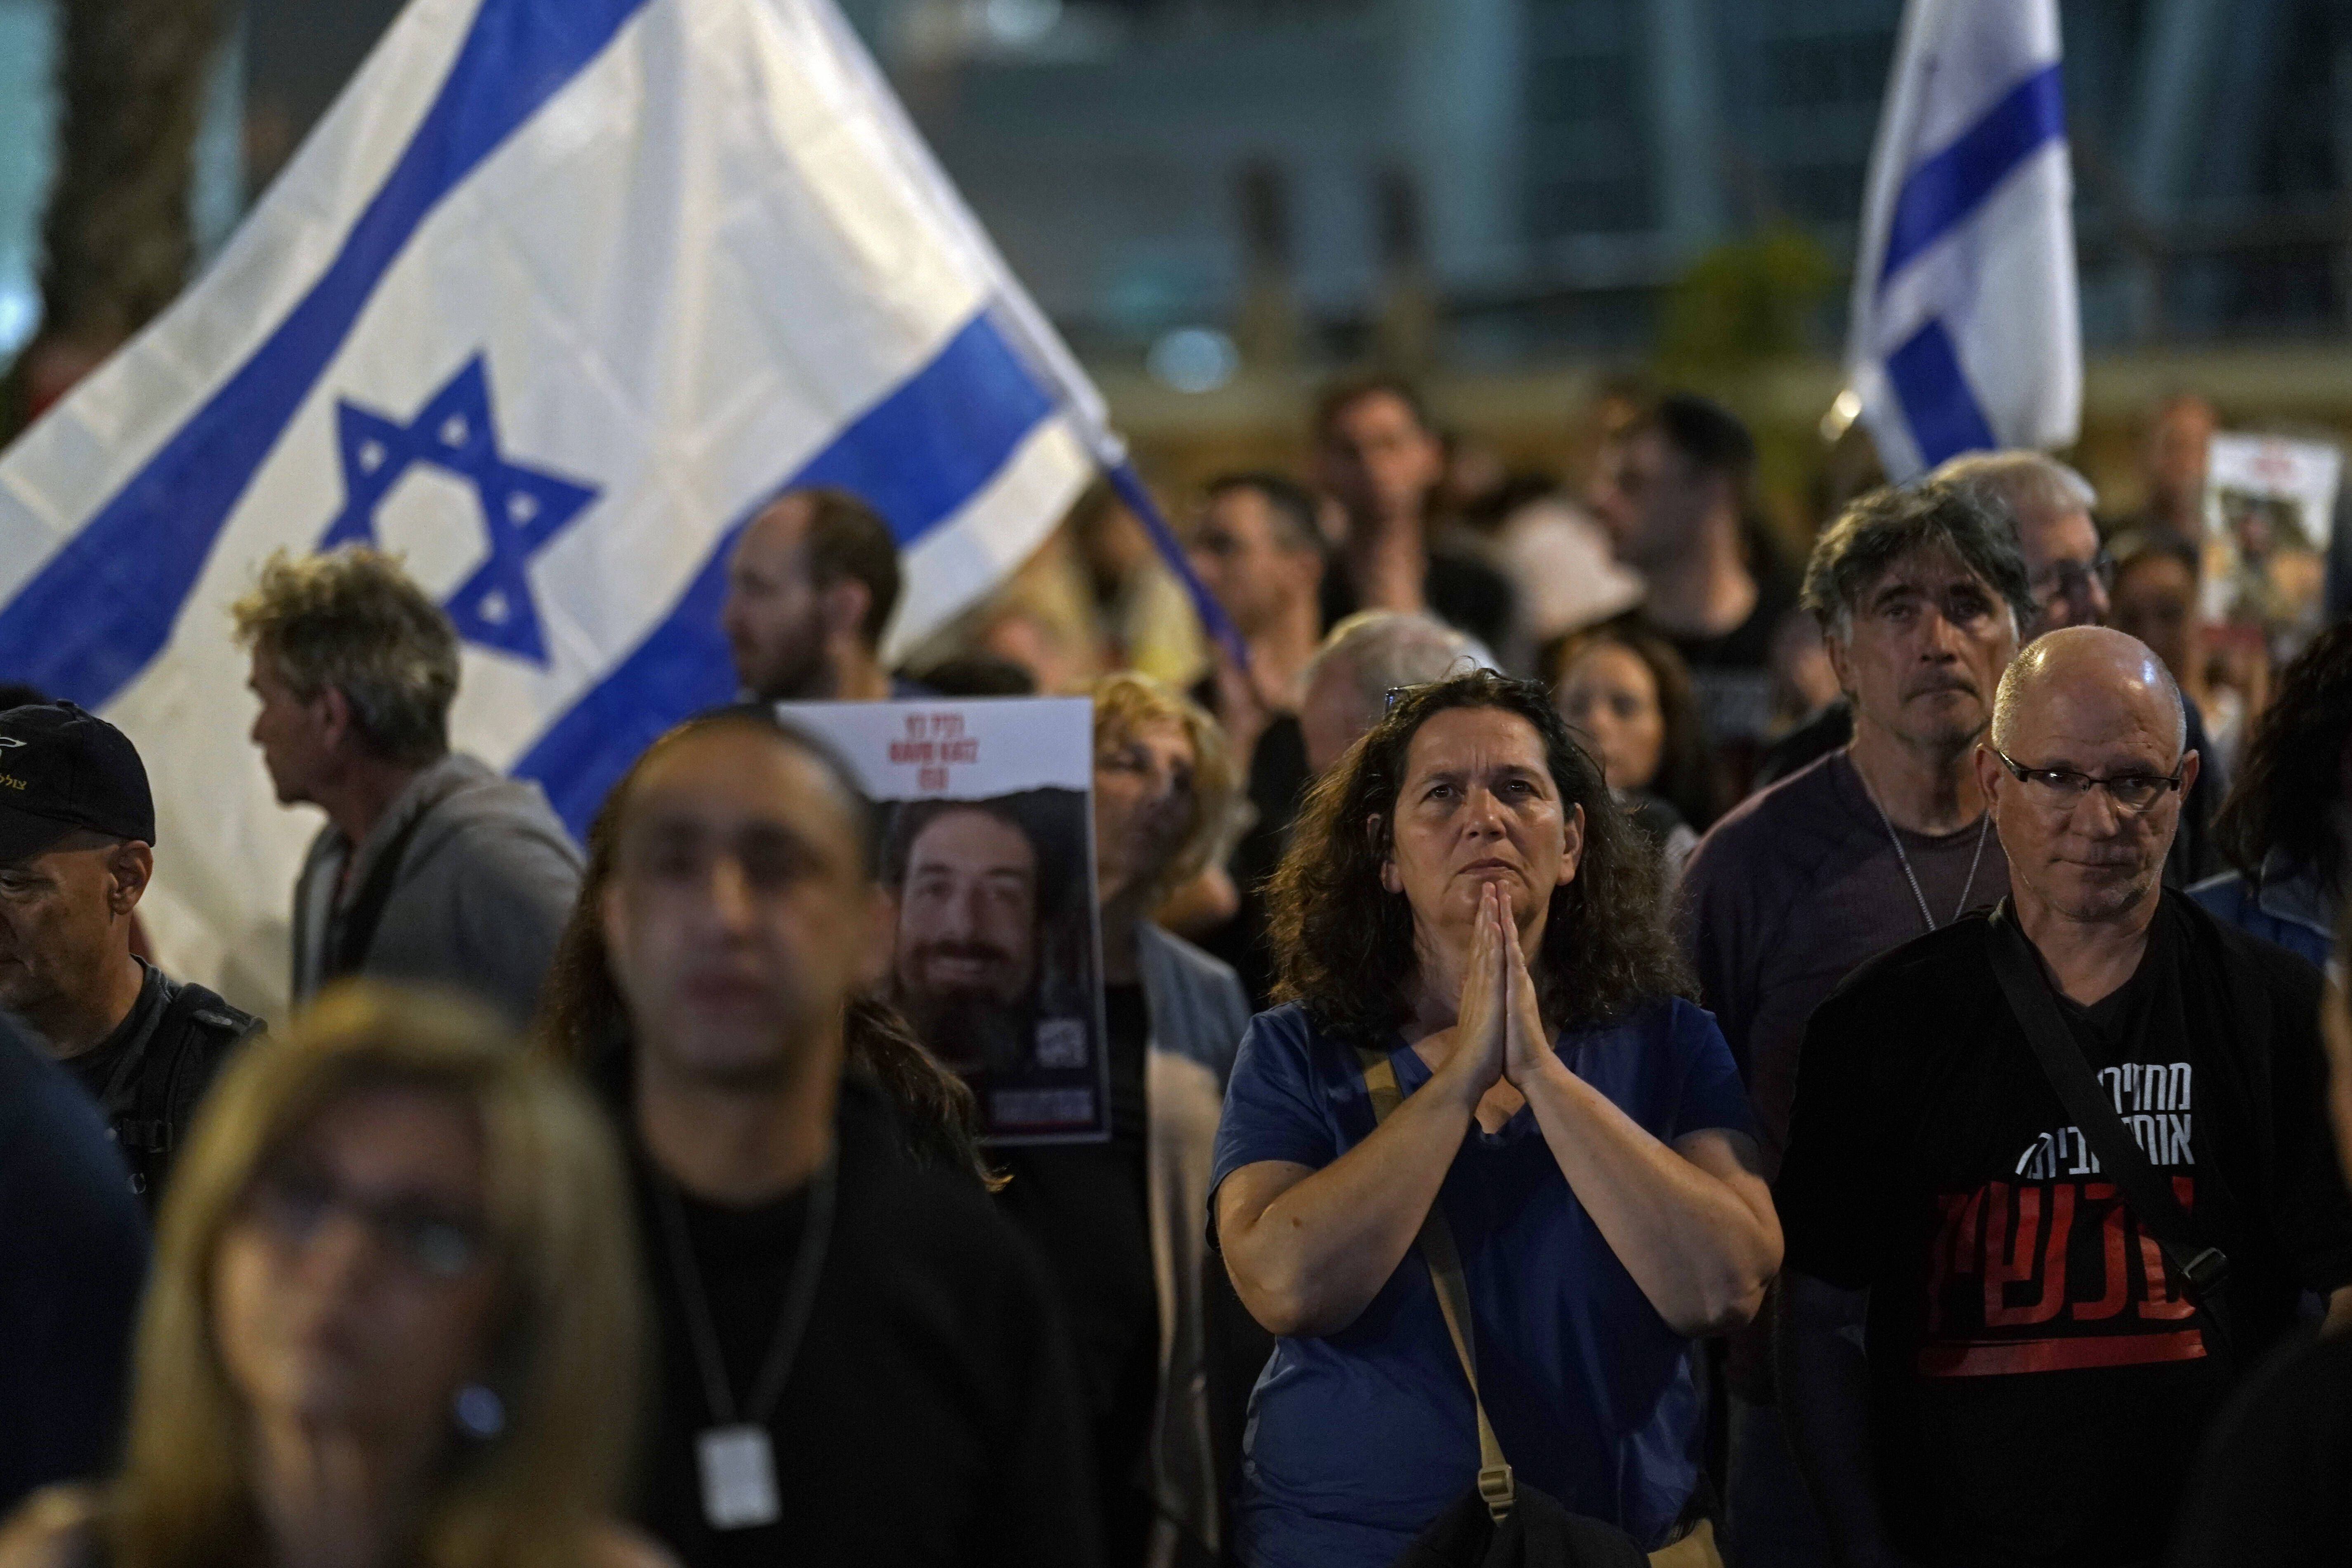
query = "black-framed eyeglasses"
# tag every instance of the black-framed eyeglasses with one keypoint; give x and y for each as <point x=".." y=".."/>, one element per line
<point x="294" y="1202"/>
<point x="2070" y="579"/>
<point x="2063" y="786"/>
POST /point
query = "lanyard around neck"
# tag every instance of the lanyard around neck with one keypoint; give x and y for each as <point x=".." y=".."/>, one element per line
<point x="792" y="1322"/>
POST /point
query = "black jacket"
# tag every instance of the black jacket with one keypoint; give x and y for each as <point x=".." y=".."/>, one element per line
<point x="148" y="1076"/>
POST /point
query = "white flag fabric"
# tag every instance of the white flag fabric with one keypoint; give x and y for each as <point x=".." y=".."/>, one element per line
<point x="557" y="296"/>
<point x="1965" y="334"/>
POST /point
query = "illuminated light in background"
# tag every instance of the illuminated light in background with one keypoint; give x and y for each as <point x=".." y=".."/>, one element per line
<point x="1844" y="412"/>
<point x="1019" y="23"/>
<point x="20" y="312"/>
<point x="1193" y="358"/>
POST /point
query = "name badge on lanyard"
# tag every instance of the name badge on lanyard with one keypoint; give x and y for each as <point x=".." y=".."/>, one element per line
<point x="738" y="1476"/>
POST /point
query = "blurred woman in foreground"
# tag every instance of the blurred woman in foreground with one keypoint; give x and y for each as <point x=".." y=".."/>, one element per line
<point x="394" y="1319"/>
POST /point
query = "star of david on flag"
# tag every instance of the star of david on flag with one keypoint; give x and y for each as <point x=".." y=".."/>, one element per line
<point x="699" y="256"/>
<point x="522" y="507"/>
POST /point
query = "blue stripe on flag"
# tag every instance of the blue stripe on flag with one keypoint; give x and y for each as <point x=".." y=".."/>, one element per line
<point x="918" y="455"/>
<point x="1936" y="402"/>
<point x="104" y="605"/>
<point x="1941" y="194"/>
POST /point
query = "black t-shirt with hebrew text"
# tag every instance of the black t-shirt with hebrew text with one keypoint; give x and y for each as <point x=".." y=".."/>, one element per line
<point x="2040" y="1381"/>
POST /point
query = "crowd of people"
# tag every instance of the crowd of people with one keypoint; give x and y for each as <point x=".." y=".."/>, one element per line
<point x="1620" y="1046"/>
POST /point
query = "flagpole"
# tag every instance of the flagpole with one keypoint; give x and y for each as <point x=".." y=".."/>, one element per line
<point x="1130" y="490"/>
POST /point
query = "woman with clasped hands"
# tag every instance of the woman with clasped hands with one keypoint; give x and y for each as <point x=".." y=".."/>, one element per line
<point x="393" y="1321"/>
<point x="1462" y="895"/>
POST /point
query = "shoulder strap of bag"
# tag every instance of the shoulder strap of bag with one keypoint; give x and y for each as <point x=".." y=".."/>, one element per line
<point x="354" y="934"/>
<point x="135" y="1105"/>
<point x="2147" y="1193"/>
<point x="1444" y="1263"/>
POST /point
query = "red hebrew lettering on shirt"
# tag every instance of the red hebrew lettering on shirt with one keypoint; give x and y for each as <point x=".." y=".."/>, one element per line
<point x="1958" y="1239"/>
<point x="2018" y="1268"/>
<point x="2112" y="1261"/>
<point x="2051" y="1272"/>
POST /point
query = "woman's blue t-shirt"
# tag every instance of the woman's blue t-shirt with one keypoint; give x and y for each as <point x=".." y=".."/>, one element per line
<point x="1357" y="1440"/>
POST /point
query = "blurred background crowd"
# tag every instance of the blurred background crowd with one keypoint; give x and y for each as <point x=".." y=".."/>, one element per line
<point x="1450" y="336"/>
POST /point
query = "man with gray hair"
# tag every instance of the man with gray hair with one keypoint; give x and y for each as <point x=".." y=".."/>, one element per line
<point x="431" y="866"/>
<point x="2027" y="1148"/>
<point x="1345" y="686"/>
<point x="2070" y="575"/>
<point x="2067" y="572"/>
<point x="1362" y="660"/>
<point x="1920" y="593"/>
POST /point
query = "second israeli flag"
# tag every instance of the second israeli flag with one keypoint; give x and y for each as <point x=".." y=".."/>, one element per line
<point x="1965" y="331"/>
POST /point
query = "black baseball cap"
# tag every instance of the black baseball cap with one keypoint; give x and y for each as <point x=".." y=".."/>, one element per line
<point x="62" y="769"/>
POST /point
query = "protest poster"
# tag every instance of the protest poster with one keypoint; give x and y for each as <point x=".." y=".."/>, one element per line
<point x="987" y="855"/>
<point x="2270" y="503"/>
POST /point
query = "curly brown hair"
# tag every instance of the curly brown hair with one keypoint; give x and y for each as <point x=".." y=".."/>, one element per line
<point x="1343" y="944"/>
<point x="2291" y="777"/>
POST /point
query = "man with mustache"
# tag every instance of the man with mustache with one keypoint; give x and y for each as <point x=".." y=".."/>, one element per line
<point x="2043" y="1352"/>
<point x="1920" y="594"/>
<point x="966" y="880"/>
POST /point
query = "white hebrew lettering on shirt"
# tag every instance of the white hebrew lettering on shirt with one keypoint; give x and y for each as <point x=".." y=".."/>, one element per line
<point x="2153" y="1101"/>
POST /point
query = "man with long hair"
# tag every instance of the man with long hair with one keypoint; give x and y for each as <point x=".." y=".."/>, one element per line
<point x="971" y="883"/>
<point x="860" y="1361"/>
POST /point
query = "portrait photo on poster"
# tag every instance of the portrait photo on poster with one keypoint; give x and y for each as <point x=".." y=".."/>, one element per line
<point x="2270" y="506"/>
<point x="987" y="855"/>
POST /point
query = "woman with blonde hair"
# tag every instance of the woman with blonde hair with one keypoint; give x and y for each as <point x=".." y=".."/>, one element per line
<point x="394" y="1319"/>
<point x="1119" y="1222"/>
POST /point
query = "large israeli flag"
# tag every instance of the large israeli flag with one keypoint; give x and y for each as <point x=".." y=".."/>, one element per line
<point x="560" y="292"/>
<point x="1965" y="334"/>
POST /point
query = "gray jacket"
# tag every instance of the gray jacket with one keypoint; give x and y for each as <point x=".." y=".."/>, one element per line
<point x="1198" y="1014"/>
<point x="481" y="894"/>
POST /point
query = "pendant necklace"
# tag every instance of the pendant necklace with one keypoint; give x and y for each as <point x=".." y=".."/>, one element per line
<point x="735" y="1458"/>
<point x="1902" y="858"/>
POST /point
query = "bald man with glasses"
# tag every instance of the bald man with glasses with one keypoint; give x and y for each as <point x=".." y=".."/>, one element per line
<point x="2067" y="1159"/>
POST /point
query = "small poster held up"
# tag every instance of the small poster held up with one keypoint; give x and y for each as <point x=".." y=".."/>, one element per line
<point x="2270" y="504"/>
<point x="987" y="807"/>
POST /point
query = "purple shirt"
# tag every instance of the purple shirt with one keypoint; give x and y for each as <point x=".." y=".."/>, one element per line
<point x="1789" y="893"/>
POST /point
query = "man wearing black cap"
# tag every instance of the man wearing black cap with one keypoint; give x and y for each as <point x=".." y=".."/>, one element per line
<point x="77" y="836"/>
